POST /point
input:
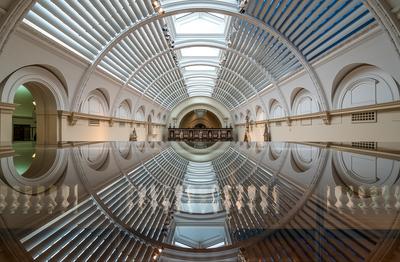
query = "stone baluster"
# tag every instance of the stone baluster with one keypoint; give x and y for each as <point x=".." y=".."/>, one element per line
<point x="351" y="205"/>
<point x="275" y="196"/>
<point x="330" y="197"/>
<point x="51" y="199"/>
<point x="341" y="197"/>
<point x="26" y="200"/>
<point x="397" y="197"/>
<point x="15" y="200"/>
<point x="3" y="197"/>
<point x="387" y="198"/>
<point x="264" y="198"/>
<point x="65" y="191"/>
<point x="354" y="200"/>
<point x="375" y="197"/>
<point x="364" y="200"/>
<point x="38" y="205"/>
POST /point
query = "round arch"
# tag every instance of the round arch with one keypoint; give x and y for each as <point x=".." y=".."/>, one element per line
<point x="49" y="95"/>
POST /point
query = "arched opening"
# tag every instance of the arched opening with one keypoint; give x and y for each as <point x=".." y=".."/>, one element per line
<point x="35" y="116"/>
<point x="200" y="119"/>
<point x="24" y="116"/>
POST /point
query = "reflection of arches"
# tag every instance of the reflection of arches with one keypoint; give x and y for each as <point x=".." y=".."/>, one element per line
<point x="275" y="150"/>
<point x="303" y="157"/>
<point x="49" y="94"/>
<point x="96" y="103"/>
<point x="124" y="149"/>
<point x="303" y="102"/>
<point x="357" y="170"/>
<point x="47" y="167"/>
<point x="95" y="155"/>
<point x="140" y="114"/>
<point x="276" y="110"/>
<point x="124" y="110"/>
<point x="365" y="85"/>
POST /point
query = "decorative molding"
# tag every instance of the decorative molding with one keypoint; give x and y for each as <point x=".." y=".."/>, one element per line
<point x="327" y="116"/>
<point x="7" y="107"/>
<point x="73" y="117"/>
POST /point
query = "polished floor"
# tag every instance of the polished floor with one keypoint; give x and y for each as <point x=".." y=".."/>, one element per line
<point x="226" y="201"/>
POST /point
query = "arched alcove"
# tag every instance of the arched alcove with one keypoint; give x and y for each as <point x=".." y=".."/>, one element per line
<point x="96" y="103"/>
<point x="365" y="85"/>
<point x="48" y="96"/>
<point x="200" y="119"/>
<point x="276" y="110"/>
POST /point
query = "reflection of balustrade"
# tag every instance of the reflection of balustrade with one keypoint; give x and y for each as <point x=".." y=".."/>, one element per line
<point x="364" y="200"/>
<point x="190" y="134"/>
<point x="26" y="200"/>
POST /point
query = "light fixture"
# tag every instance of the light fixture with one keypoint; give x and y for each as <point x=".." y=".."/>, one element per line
<point x="157" y="7"/>
<point x="243" y="5"/>
<point x="34" y="103"/>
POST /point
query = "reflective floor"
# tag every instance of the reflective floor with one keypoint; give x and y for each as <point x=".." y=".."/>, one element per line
<point x="176" y="201"/>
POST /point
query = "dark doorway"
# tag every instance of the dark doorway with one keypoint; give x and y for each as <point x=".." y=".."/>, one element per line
<point x="200" y="126"/>
<point x="24" y="133"/>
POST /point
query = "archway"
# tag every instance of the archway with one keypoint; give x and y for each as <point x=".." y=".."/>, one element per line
<point x="24" y="116"/>
<point x="200" y="119"/>
<point x="47" y="97"/>
<point x="36" y="100"/>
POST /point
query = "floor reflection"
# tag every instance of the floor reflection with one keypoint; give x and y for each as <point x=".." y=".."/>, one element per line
<point x="146" y="201"/>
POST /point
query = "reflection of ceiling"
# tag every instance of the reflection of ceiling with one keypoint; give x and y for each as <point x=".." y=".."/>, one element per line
<point x="237" y="57"/>
<point x="200" y="155"/>
<point x="199" y="236"/>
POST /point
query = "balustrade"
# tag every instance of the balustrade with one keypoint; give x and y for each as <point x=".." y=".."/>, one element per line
<point x="204" y="134"/>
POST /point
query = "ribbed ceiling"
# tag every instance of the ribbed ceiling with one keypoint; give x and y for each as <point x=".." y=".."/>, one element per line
<point x="151" y="59"/>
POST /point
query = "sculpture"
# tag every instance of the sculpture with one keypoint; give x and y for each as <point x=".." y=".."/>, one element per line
<point x="133" y="136"/>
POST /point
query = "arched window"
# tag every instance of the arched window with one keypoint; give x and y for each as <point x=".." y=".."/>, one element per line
<point x="95" y="104"/>
<point x="276" y="110"/>
<point x="140" y="114"/>
<point x="124" y="110"/>
<point x="304" y="103"/>
<point x="365" y="85"/>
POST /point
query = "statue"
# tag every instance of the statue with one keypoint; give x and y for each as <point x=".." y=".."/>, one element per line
<point x="267" y="134"/>
<point x="247" y="130"/>
<point x="133" y="136"/>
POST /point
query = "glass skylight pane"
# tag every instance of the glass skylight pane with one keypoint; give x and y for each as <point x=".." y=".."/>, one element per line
<point x="200" y="51"/>
<point x="200" y="68"/>
<point x="200" y="23"/>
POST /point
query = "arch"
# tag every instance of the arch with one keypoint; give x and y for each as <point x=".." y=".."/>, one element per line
<point x="124" y="110"/>
<point x="96" y="103"/>
<point x="303" y="157"/>
<point x="49" y="95"/>
<point x="276" y="110"/>
<point x="46" y="170"/>
<point x="365" y="85"/>
<point x="96" y="156"/>
<point x="303" y="102"/>
<point x="35" y="74"/>
<point x="260" y="114"/>
<point x="174" y="9"/>
<point x="205" y="118"/>
<point x="140" y="113"/>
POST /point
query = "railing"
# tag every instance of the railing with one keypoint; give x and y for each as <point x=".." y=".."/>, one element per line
<point x="203" y="134"/>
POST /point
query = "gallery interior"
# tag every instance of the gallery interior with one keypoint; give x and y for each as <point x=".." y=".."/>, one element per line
<point x="206" y="130"/>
